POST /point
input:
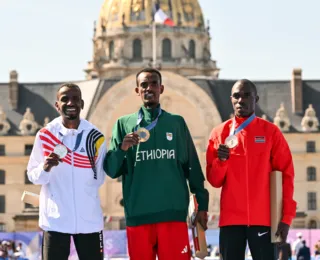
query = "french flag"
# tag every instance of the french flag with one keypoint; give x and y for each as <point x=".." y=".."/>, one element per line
<point x="161" y="17"/>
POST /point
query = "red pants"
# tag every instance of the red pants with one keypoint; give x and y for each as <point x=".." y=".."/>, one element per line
<point x="168" y="241"/>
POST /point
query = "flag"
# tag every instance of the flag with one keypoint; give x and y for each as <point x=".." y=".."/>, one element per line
<point x="161" y="17"/>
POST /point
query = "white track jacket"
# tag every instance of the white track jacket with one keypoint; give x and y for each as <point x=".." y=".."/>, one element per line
<point x="69" y="198"/>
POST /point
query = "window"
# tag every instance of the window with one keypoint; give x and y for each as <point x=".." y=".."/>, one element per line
<point x="137" y="49"/>
<point x="26" y="179"/>
<point x="311" y="146"/>
<point x="2" y="177"/>
<point x="313" y="224"/>
<point x="2" y="204"/>
<point x="111" y="50"/>
<point x="192" y="49"/>
<point x="29" y="206"/>
<point x="312" y="201"/>
<point x="311" y="174"/>
<point x="166" y="50"/>
<point x="2" y="227"/>
<point x="28" y="149"/>
<point x="2" y="150"/>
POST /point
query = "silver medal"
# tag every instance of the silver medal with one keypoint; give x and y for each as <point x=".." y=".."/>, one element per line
<point x="60" y="150"/>
<point x="231" y="141"/>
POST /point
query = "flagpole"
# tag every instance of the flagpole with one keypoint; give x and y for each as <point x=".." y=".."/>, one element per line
<point x="154" y="45"/>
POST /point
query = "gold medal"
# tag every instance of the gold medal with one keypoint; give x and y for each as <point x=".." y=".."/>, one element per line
<point x="144" y="134"/>
<point x="60" y="150"/>
<point x="231" y="141"/>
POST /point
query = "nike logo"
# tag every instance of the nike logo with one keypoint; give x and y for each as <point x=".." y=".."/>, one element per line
<point x="261" y="234"/>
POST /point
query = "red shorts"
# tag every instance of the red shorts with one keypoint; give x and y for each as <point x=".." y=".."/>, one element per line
<point x="167" y="240"/>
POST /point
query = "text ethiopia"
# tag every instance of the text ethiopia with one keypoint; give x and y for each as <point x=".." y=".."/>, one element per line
<point x="155" y="154"/>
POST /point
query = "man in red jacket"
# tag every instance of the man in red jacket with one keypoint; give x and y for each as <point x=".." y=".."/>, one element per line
<point x="241" y="154"/>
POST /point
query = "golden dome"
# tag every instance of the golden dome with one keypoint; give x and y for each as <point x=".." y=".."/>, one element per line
<point x="131" y="13"/>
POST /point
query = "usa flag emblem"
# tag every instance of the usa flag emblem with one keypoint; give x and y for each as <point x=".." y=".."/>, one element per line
<point x="260" y="139"/>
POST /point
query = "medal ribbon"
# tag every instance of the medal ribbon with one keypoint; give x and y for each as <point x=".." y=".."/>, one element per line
<point x="234" y="131"/>
<point x="152" y="125"/>
<point x="78" y="140"/>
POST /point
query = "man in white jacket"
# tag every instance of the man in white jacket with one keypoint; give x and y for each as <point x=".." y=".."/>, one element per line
<point x="70" y="179"/>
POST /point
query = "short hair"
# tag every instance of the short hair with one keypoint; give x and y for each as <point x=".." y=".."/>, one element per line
<point x="249" y="83"/>
<point x="149" y="70"/>
<point x="69" y="85"/>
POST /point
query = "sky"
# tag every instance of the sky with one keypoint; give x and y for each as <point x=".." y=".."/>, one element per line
<point x="51" y="41"/>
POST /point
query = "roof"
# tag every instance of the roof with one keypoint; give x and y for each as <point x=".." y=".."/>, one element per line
<point x="40" y="98"/>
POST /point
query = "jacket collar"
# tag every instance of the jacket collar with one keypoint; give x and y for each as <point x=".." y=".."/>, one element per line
<point x="57" y="123"/>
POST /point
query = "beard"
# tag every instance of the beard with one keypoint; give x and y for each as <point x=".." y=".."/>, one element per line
<point x="70" y="116"/>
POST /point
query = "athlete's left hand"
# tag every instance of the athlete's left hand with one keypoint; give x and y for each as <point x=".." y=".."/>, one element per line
<point x="202" y="218"/>
<point x="283" y="230"/>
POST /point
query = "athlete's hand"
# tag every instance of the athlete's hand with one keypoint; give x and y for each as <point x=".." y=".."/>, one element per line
<point x="129" y="140"/>
<point x="51" y="160"/>
<point x="202" y="218"/>
<point x="223" y="152"/>
<point x="283" y="230"/>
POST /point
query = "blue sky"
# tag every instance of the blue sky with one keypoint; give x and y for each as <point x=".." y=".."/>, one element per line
<point x="51" y="40"/>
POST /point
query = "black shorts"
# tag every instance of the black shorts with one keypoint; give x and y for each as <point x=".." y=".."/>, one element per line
<point x="233" y="242"/>
<point x="56" y="246"/>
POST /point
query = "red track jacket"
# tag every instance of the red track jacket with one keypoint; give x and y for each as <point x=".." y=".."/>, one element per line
<point x="245" y="176"/>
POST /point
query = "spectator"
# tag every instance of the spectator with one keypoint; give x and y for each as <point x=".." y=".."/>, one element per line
<point x="297" y="243"/>
<point x="304" y="252"/>
<point x="285" y="252"/>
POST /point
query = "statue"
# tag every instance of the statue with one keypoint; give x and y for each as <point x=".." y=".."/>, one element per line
<point x="310" y="122"/>
<point x="4" y="124"/>
<point x="28" y="125"/>
<point x="281" y="119"/>
<point x="46" y="121"/>
<point x="28" y="115"/>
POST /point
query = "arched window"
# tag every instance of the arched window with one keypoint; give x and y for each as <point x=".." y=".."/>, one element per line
<point x="313" y="224"/>
<point x="311" y="174"/>
<point x="111" y="50"/>
<point x="2" y="177"/>
<point x="166" y="50"/>
<point x="192" y="49"/>
<point x="137" y="49"/>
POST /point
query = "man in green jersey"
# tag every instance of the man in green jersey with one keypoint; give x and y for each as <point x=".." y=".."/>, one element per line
<point x="154" y="153"/>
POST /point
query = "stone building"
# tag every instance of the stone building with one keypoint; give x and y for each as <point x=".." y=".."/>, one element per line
<point x="122" y="45"/>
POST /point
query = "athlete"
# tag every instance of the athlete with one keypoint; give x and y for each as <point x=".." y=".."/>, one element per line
<point x="154" y="153"/>
<point x="67" y="161"/>
<point x="241" y="154"/>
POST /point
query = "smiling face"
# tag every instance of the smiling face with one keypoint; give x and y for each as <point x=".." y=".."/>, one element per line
<point x="149" y="88"/>
<point x="69" y="103"/>
<point x="244" y="98"/>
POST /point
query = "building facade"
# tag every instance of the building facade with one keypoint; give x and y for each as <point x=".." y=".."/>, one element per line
<point x="122" y="45"/>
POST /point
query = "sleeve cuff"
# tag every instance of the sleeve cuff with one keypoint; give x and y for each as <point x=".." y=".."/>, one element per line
<point x="220" y="163"/>
<point x="119" y="151"/>
<point x="203" y="201"/>
<point x="287" y="219"/>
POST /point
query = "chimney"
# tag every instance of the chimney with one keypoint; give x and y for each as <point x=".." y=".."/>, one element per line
<point x="13" y="89"/>
<point x="296" y="92"/>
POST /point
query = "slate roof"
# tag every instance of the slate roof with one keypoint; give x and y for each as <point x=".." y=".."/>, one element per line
<point x="40" y="98"/>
